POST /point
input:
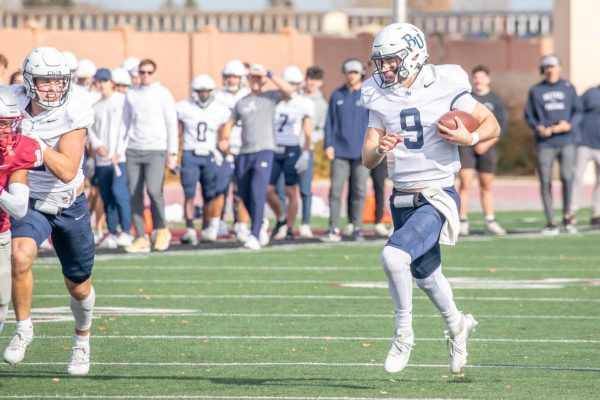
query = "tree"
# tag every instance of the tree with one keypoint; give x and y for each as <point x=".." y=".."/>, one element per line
<point x="47" y="3"/>
<point x="168" y="4"/>
<point x="190" y="4"/>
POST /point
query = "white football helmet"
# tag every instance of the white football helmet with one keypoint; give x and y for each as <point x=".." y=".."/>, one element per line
<point x="203" y="83"/>
<point x="71" y="60"/>
<point x="121" y="77"/>
<point x="234" y="68"/>
<point x="86" y="68"/>
<point x="292" y="74"/>
<point x="46" y="63"/>
<point x="11" y="117"/>
<point x="405" y="42"/>
<point x="131" y="64"/>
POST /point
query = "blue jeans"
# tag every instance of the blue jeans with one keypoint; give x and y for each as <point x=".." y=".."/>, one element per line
<point x="114" y="191"/>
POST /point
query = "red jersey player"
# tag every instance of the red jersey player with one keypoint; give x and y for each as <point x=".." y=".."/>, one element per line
<point x="17" y="154"/>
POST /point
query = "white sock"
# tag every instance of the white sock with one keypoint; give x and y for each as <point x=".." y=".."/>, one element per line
<point x="396" y="265"/>
<point x="83" y="311"/>
<point x="214" y="223"/>
<point x="490" y="218"/>
<point x="78" y="339"/>
<point x="439" y="292"/>
<point x="25" y="325"/>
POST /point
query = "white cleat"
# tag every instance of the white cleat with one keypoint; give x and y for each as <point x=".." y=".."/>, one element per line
<point x="263" y="237"/>
<point x="109" y="242"/>
<point x="124" y="239"/>
<point x="209" y="234"/>
<point x="349" y="230"/>
<point x="464" y="228"/>
<point x="252" y="243"/>
<point x="494" y="228"/>
<point x="15" y="351"/>
<point x="457" y="345"/>
<point x="305" y="231"/>
<point x="189" y="237"/>
<point x="242" y="232"/>
<point x="399" y="353"/>
<point x="381" y="230"/>
<point x="80" y="359"/>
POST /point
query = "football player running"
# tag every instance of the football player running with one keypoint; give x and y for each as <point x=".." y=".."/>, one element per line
<point x="200" y="119"/>
<point x="293" y="117"/>
<point x="17" y="155"/>
<point x="58" y="207"/>
<point x="406" y="98"/>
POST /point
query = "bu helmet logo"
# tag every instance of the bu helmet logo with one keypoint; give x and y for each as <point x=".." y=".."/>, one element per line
<point x="413" y="41"/>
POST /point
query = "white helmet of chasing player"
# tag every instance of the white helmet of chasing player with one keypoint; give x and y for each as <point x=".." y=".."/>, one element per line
<point x="292" y="74"/>
<point x="11" y="117"/>
<point x="205" y="83"/>
<point x="401" y="45"/>
<point x="47" y="63"/>
<point x="71" y="60"/>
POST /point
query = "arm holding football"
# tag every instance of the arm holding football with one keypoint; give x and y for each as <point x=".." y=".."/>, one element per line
<point x="15" y="200"/>
<point x="64" y="162"/>
<point x="481" y="126"/>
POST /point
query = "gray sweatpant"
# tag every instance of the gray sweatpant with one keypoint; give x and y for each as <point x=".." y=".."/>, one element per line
<point x="146" y="167"/>
<point x="583" y="155"/>
<point x="356" y="174"/>
<point x="566" y="160"/>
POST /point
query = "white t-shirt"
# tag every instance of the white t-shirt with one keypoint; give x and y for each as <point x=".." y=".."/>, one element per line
<point x="423" y="159"/>
<point x="49" y="126"/>
<point x="201" y="125"/>
<point x="227" y="98"/>
<point x="289" y="115"/>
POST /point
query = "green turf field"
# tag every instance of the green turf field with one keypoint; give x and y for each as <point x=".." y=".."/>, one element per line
<point x="315" y="321"/>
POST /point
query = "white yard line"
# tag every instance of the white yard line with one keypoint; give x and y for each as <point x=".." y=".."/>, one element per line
<point x="45" y="396"/>
<point x="318" y="297"/>
<point x="314" y="364"/>
<point x="316" y="338"/>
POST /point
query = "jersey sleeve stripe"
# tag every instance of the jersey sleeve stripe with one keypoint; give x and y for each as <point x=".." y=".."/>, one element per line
<point x="455" y="99"/>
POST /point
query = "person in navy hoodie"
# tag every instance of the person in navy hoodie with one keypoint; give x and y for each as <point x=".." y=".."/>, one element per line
<point x="553" y="111"/>
<point x="588" y="148"/>
<point x="345" y="129"/>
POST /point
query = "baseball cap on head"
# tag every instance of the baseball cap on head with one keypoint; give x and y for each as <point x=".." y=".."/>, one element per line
<point x="258" y="69"/>
<point x="353" y="65"/>
<point x="103" y="74"/>
<point x="549" y="61"/>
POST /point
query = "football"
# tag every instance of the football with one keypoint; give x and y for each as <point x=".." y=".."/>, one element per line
<point x="467" y="119"/>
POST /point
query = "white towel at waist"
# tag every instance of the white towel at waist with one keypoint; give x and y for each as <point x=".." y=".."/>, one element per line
<point x="441" y="201"/>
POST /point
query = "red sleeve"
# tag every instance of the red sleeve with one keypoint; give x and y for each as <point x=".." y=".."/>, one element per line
<point x="27" y="153"/>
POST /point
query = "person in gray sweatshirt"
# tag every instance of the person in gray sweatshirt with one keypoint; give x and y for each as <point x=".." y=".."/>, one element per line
<point x="150" y="118"/>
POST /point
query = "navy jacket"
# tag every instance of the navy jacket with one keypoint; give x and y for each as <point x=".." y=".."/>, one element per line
<point x="346" y="124"/>
<point x="590" y="125"/>
<point x="549" y="103"/>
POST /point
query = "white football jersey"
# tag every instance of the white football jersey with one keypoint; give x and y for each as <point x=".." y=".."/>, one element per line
<point x="423" y="159"/>
<point x="49" y="126"/>
<point x="289" y="115"/>
<point x="227" y="98"/>
<point x="201" y="125"/>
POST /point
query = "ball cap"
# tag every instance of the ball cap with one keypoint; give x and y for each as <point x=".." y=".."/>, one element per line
<point x="353" y="66"/>
<point x="258" y="70"/>
<point x="103" y="74"/>
<point x="549" y="61"/>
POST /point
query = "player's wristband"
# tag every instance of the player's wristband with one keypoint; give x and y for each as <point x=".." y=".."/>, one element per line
<point x="474" y="138"/>
<point x="270" y="74"/>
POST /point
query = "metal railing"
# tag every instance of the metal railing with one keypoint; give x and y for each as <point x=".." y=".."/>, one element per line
<point x="473" y="24"/>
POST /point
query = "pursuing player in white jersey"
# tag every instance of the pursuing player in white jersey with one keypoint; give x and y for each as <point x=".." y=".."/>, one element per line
<point x="293" y="117"/>
<point x="234" y="88"/>
<point x="200" y="119"/>
<point x="58" y="207"/>
<point x="406" y="98"/>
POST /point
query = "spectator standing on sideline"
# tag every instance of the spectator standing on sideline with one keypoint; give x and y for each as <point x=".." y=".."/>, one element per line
<point x="553" y="111"/>
<point x="150" y="118"/>
<point x="312" y="90"/>
<point x="481" y="158"/>
<point x="253" y="165"/>
<point x="588" y="149"/>
<point x="3" y="67"/>
<point x="345" y="130"/>
<point x="108" y="140"/>
<point x="16" y="78"/>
